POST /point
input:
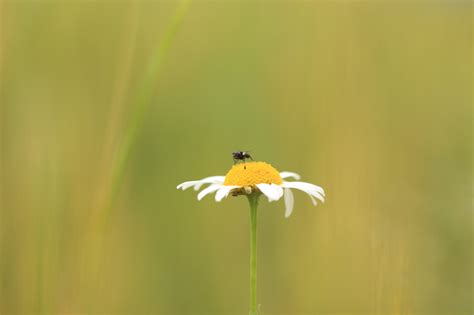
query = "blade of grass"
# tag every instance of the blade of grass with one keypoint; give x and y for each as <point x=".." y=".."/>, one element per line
<point x="95" y="237"/>
<point x="116" y="110"/>
<point x="142" y="104"/>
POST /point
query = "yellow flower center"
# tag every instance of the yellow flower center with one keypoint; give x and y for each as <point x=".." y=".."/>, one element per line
<point x="252" y="173"/>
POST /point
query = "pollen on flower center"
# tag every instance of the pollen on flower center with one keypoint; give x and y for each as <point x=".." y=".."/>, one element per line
<point x="252" y="173"/>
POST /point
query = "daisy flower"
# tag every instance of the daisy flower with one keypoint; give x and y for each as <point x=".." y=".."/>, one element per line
<point x="253" y="180"/>
<point x="256" y="177"/>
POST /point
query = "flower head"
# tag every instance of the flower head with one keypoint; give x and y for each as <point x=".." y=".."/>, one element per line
<point x="256" y="177"/>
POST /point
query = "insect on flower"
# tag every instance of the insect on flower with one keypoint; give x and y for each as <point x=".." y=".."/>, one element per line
<point x="241" y="156"/>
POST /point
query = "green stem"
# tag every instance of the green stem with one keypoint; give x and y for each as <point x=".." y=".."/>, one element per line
<point x="253" y="201"/>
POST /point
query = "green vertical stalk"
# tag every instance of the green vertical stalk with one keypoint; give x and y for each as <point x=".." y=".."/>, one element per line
<point x="253" y="202"/>
<point x="144" y="99"/>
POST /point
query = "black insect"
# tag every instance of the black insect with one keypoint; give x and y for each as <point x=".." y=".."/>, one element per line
<point x="241" y="156"/>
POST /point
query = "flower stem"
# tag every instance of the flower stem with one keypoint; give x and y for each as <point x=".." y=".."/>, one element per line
<point x="253" y="202"/>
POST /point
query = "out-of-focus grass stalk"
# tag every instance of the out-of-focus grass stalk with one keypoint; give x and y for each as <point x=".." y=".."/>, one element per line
<point x="139" y="110"/>
<point x="116" y="109"/>
<point x="119" y="161"/>
<point x="141" y="106"/>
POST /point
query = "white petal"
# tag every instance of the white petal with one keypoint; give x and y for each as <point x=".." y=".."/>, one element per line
<point x="308" y="188"/>
<point x="289" y="202"/>
<point x="273" y="192"/>
<point x="290" y="174"/>
<point x="212" y="188"/>
<point x="313" y="200"/>
<point x="223" y="192"/>
<point x="212" y="179"/>
<point x="198" y="183"/>
<point x="186" y="185"/>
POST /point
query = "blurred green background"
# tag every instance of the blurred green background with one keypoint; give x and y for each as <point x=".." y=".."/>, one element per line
<point x="370" y="100"/>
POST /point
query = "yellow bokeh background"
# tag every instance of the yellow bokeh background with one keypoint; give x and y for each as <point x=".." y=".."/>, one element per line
<point x="371" y="100"/>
